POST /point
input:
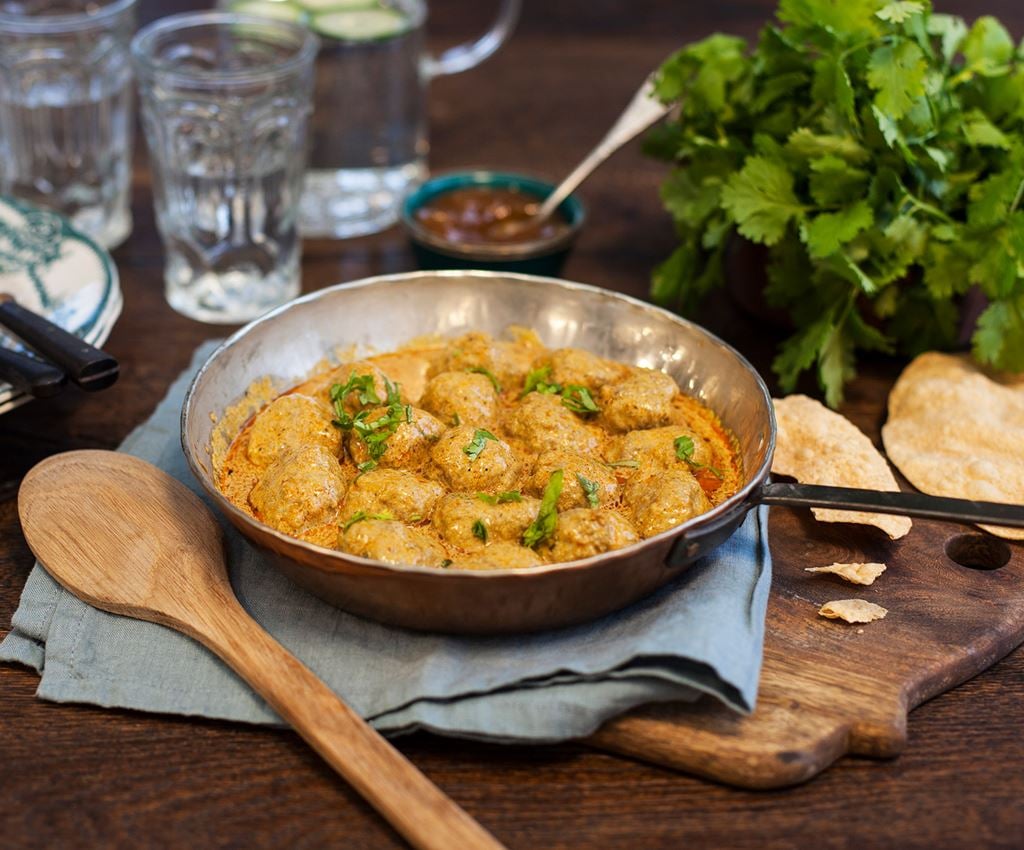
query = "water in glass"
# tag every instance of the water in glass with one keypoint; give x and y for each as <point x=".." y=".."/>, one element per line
<point x="226" y="102"/>
<point x="66" y="111"/>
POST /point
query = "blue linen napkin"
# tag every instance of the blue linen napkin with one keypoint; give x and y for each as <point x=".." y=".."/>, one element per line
<point x="701" y="635"/>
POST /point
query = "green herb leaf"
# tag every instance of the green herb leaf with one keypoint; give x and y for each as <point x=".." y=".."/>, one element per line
<point x="359" y="516"/>
<point x="500" y="498"/>
<point x="456" y="420"/>
<point x="394" y="396"/>
<point x="591" y="489"/>
<point x="761" y="199"/>
<point x="685" y="447"/>
<point x="487" y="373"/>
<point x="897" y="73"/>
<point x="547" y="516"/>
<point x="362" y="385"/>
<point x="826" y="233"/>
<point x="999" y="339"/>
<point x="476" y="445"/>
<point x="480" y="530"/>
<point x="579" y="400"/>
<point x="447" y="562"/>
<point x="900" y="10"/>
<point x="537" y="381"/>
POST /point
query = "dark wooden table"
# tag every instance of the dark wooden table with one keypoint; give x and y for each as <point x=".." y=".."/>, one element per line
<point x="79" y="776"/>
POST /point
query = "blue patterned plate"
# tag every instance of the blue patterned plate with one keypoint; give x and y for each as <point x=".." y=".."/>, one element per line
<point x="58" y="272"/>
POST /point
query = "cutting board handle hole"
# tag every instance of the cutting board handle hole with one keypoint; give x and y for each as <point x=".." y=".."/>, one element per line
<point x="977" y="551"/>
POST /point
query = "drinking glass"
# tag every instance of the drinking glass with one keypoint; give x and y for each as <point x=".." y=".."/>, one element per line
<point x="226" y="101"/>
<point x="66" y="110"/>
<point x="370" y="123"/>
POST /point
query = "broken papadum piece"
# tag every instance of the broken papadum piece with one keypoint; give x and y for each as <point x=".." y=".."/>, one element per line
<point x="856" y="573"/>
<point x="852" y="611"/>
<point x="816" y="445"/>
<point x="955" y="429"/>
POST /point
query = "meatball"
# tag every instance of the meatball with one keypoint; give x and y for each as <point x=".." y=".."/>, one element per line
<point x="408" y="370"/>
<point x="575" y="465"/>
<point x="543" y="424"/>
<point x="458" y="513"/>
<point x="581" y="533"/>
<point x="656" y="448"/>
<point x="299" y="490"/>
<point x="499" y="556"/>
<point x="576" y="366"/>
<point x="320" y="386"/>
<point x="462" y="398"/>
<point x="289" y="422"/>
<point x="643" y="400"/>
<point x="468" y="459"/>
<point x="405" y="495"/>
<point x="509" y="361"/>
<point x="408" y="444"/>
<point x="664" y="499"/>
<point x="389" y="541"/>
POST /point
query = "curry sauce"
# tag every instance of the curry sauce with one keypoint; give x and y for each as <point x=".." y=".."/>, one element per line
<point x="480" y="453"/>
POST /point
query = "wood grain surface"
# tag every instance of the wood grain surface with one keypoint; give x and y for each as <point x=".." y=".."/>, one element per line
<point x="829" y="688"/>
<point x="79" y="776"/>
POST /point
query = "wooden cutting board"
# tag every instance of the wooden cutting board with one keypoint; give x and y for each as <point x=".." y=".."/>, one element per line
<point x="829" y="688"/>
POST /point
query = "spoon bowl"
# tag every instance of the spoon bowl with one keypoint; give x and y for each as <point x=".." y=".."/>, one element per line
<point x="147" y="547"/>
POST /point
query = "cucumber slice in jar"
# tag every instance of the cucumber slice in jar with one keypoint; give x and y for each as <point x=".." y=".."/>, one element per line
<point x="269" y="9"/>
<point x="316" y="7"/>
<point x="360" y="24"/>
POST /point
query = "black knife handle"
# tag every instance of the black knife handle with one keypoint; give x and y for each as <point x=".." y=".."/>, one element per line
<point x="84" y="364"/>
<point x="37" y="377"/>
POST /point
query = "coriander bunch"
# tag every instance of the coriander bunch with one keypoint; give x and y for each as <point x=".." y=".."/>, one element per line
<point x="877" y="149"/>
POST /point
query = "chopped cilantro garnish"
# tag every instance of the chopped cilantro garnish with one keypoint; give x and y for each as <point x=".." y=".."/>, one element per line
<point x="362" y="385"/>
<point x="579" y="400"/>
<point x="501" y="498"/>
<point x="456" y="420"/>
<point x="537" y="381"/>
<point x="547" y="517"/>
<point x="374" y="434"/>
<point x="487" y="373"/>
<point x="590" y="490"/>
<point x="684" y="451"/>
<point x="447" y="562"/>
<point x="480" y="530"/>
<point x="359" y="516"/>
<point x="476" y="445"/>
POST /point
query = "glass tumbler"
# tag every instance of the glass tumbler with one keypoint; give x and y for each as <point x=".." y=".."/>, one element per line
<point x="66" y="110"/>
<point x="226" y="101"/>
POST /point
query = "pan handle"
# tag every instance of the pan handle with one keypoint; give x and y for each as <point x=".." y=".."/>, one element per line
<point x="884" y="502"/>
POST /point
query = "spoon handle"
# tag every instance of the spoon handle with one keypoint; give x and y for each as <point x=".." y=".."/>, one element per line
<point x="410" y="802"/>
<point x="643" y="110"/>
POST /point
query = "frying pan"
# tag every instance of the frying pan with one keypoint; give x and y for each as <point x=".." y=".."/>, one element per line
<point x="382" y="313"/>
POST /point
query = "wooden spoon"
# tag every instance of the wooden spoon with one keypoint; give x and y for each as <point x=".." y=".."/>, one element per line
<point x="124" y="536"/>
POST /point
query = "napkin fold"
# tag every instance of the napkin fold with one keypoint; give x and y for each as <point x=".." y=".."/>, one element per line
<point x="703" y="634"/>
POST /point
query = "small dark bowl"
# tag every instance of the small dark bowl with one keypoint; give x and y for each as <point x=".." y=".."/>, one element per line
<point x="541" y="257"/>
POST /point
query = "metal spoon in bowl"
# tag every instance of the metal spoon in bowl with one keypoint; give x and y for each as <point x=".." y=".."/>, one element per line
<point x="643" y="110"/>
<point x="126" y="537"/>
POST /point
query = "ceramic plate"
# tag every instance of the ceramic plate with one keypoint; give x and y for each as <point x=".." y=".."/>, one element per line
<point x="58" y="272"/>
